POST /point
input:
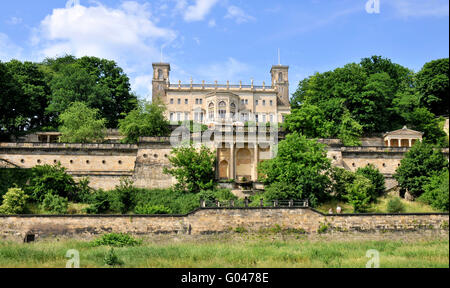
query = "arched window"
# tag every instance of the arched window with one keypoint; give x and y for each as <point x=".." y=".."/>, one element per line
<point x="280" y="77"/>
<point x="160" y="74"/>
<point x="211" y="111"/>
<point x="222" y="104"/>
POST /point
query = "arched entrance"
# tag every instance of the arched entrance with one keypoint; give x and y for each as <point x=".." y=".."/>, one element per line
<point x="224" y="170"/>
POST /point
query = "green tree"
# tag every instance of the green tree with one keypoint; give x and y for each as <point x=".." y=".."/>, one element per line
<point x="350" y="130"/>
<point x="302" y="166"/>
<point x="376" y="178"/>
<point x="14" y="201"/>
<point x="437" y="191"/>
<point x="193" y="168"/>
<point x="423" y="120"/>
<point x="146" y="120"/>
<point x="81" y="124"/>
<point x="340" y="178"/>
<point x="433" y="85"/>
<point x="12" y="119"/>
<point x="111" y="76"/>
<point x="358" y="193"/>
<point x="308" y="120"/>
<point x="419" y="164"/>
<point x="55" y="204"/>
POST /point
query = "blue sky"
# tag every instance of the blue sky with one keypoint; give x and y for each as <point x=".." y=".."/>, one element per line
<point x="225" y="40"/>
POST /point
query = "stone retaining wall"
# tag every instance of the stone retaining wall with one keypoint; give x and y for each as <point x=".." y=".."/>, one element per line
<point x="212" y="221"/>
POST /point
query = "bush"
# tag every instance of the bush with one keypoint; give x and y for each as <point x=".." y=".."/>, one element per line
<point x="152" y="210"/>
<point x="13" y="176"/>
<point x="51" y="179"/>
<point x="55" y="204"/>
<point x="111" y="259"/>
<point x="116" y="240"/>
<point x="395" y="206"/>
<point x="358" y="193"/>
<point x="14" y="201"/>
<point x="213" y="195"/>
<point x="100" y="202"/>
<point x="123" y="197"/>
<point x="179" y="202"/>
<point x="437" y="191"/>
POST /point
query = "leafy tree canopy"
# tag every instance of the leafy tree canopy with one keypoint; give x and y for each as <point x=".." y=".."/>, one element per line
<point x="81" y="124"/>
<point x="301" y="167"/>
<point x="419" y="164"/>
<point x="147" y="120"/>
<point x="194" y="169"/>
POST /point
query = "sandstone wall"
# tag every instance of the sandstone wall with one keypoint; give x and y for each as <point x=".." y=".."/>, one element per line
<point x="211" y="221"/>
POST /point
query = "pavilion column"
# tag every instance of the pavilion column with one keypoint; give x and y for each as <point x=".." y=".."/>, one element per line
<point x="410" y="142"/>
<point x="400" y="143"/>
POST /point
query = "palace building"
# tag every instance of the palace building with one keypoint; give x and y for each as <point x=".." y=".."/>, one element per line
<point x="216" y="103"/>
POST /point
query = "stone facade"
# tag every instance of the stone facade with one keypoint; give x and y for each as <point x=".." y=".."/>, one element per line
<point x="213" y="103"/>
<point x="106" y="164"/>
<point x="212" y="221"/>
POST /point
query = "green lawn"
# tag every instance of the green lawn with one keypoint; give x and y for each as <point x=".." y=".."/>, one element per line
<point x="242" y="251"/>
<point x="380" y="206"/>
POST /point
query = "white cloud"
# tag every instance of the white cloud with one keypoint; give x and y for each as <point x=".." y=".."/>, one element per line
<point x="101" y="31"/>
<point x="199" y="10"/>
<point x="238" y="15"/>
<point x="419" y="8"/>
<point x="8" y="50"/>
<point x="127" y="34"/>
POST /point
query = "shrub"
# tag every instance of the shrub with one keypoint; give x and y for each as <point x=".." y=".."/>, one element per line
<point x="111" y="259"/>
<point x="51" y="179"/>
<point x="359" y="193"/>
<point x="13" y="176"/>
<point x="123" y="197"/>
<point x="395" y="206"/>
<point x="100" y="202"/>
<point x="116" y="240"/>
<point x="14" y="201"/>
<point x="55" y="204"/>
<point x="152" y="210"/>
<point x="179" y="202"/>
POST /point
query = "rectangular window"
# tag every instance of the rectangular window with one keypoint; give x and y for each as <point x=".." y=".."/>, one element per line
<point x="196" y="117"/>
<point x="256" y="118"/>
<point x="196" y="101"/>
<point x="246" y="101"/>
<point x="171" y="116"/>
<point x="179" y="101"/>
<point x="256" y="102"/>
<point x="264" y="102"/>
<point x="186" y="101"/>
<point x="242" y="102"/>
<point x="178" y="116"/>
<point x="271" y="102"/>
<point x="264" y="118"/>
<point x="171" y="101"/>
<point x="201" y="101"/>
<point x="186" y="116"/>
<point x="271" y="118"/>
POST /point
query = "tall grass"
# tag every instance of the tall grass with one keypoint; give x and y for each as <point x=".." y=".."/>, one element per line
<point x="250" y="253"/>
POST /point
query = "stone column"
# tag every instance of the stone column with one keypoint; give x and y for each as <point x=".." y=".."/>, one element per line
<point x="410" y="142"/>
<point x="255" y="163"/>
<point x="232" y="162"/>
